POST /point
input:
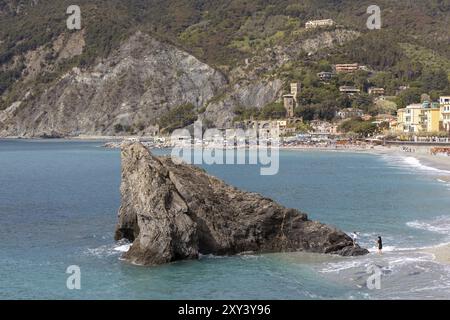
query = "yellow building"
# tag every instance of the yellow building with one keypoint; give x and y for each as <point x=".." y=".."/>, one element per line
<point x="430" y="119"/>
<point x="408" y="119"/>
<point x="417" y="118"/>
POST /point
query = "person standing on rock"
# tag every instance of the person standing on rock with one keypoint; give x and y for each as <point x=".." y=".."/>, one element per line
<point x="354" y="236"/>
<point x="380" y="245"/>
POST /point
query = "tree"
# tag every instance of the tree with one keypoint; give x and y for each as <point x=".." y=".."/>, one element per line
<point x="305" y="112"/>
<point x="358" y="126"/>
<point x="362" y="101"/>
<point x="434" y="80"/>
<point x="326" y="110"/>
<point x="408" y="96"/>
<point x="178" y="117"/>
<point x="273" y="111"/>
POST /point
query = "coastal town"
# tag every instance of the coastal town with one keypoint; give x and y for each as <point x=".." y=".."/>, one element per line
<point x="426" y="123"/>
<point x="360" y="111"/>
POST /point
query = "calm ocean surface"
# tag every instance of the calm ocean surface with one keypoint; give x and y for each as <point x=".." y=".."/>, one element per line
<point x="59" y="202"/>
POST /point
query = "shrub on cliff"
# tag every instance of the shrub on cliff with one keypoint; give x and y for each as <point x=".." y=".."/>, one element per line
<point x="178" y="117"/>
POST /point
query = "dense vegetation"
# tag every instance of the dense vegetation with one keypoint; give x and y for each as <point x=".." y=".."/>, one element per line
<point x="178" y="117"/>
<point x="359" y="127"/>
<point x="271" y="111"/>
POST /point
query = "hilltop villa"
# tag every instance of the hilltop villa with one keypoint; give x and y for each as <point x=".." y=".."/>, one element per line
<point x="350" y="90"/>
<point x="346" y="67"/>
<point x="349" y="113"/>
<point x="319" y="23"/>
<point x="376" y="91"/>
<point x="445" y="112"/>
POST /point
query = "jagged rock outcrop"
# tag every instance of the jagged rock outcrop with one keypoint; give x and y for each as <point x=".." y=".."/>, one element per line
<point x="177" y="211"/>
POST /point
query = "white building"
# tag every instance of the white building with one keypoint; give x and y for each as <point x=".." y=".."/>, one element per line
<point x="349" y="90"/>
<point x="319" y="23"/>
<point x="349" y="113"/>
<point x="376" y="91"/>
<point x="325" y="76"/>
<point x="445" y="112"/>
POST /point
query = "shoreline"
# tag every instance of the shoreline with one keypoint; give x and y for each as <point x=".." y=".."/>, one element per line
<point x="440" y="253"/>
<point x="421" y="153"/>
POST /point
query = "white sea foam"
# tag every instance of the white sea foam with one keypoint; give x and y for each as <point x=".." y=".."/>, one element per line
<point x="409" y="162"/>
<point x="336" y="267"/>
<point x="210" y="256"/>
<point x="385" y="249"/>
<point x="439" y="225"/>
<point x="102" y="251"/>
<point x="109" y="249"/>
<point x="388" y="262"/>
<point x="415" y="163"/>
<point x="123" y="248"/>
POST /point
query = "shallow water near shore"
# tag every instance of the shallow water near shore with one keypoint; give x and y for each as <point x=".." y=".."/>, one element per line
<point x="59" y="202"/>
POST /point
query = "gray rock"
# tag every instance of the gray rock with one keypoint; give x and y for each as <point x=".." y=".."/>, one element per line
<point x="177" y="211"/>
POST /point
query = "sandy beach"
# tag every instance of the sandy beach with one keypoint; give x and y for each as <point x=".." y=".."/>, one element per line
<point x="441" y="253"/>
<point x="421" y="153"/>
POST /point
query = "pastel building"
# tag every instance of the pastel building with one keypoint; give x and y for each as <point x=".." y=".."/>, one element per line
<point x="349" y="113"/>
<point x="349" y="90"/>
<point x="444" y="103"/>
<point x="419" y="117"/>
<point x="346" y="67"/>
<point x="430" y="117"/>
<point x="408" y="119"/>
<point x="376" y="91"/>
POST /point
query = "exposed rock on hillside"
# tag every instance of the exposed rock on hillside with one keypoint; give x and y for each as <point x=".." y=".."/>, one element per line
<point x="172" y="212"/>
<point x="250" y="88"/>
<point x="248" y="94"/>
<point x="131" y="88"/>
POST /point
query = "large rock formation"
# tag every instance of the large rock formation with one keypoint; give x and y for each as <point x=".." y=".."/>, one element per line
<point x="177" y="211"/>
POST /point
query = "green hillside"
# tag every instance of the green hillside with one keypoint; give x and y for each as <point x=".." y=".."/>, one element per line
<point x="411" y="48"/>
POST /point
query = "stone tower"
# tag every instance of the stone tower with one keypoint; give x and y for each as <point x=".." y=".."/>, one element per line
<point x="295" y="90"/>
<point x="289" y="105"/>
<point x="291" y="100"/>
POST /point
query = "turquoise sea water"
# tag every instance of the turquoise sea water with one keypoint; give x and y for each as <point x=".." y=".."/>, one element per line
<point x="59" y="202"/>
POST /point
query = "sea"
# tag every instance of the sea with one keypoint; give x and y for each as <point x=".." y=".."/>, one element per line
<point x="58" y="209"/>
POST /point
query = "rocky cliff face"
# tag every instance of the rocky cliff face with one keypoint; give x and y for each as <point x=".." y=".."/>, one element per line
<point x="256" y="93"/>
<point x="132" y="88"/>
<point x="177" y="211"/>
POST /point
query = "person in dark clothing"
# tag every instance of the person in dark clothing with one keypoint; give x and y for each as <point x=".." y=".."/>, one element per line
<point x="380" y="245"/>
